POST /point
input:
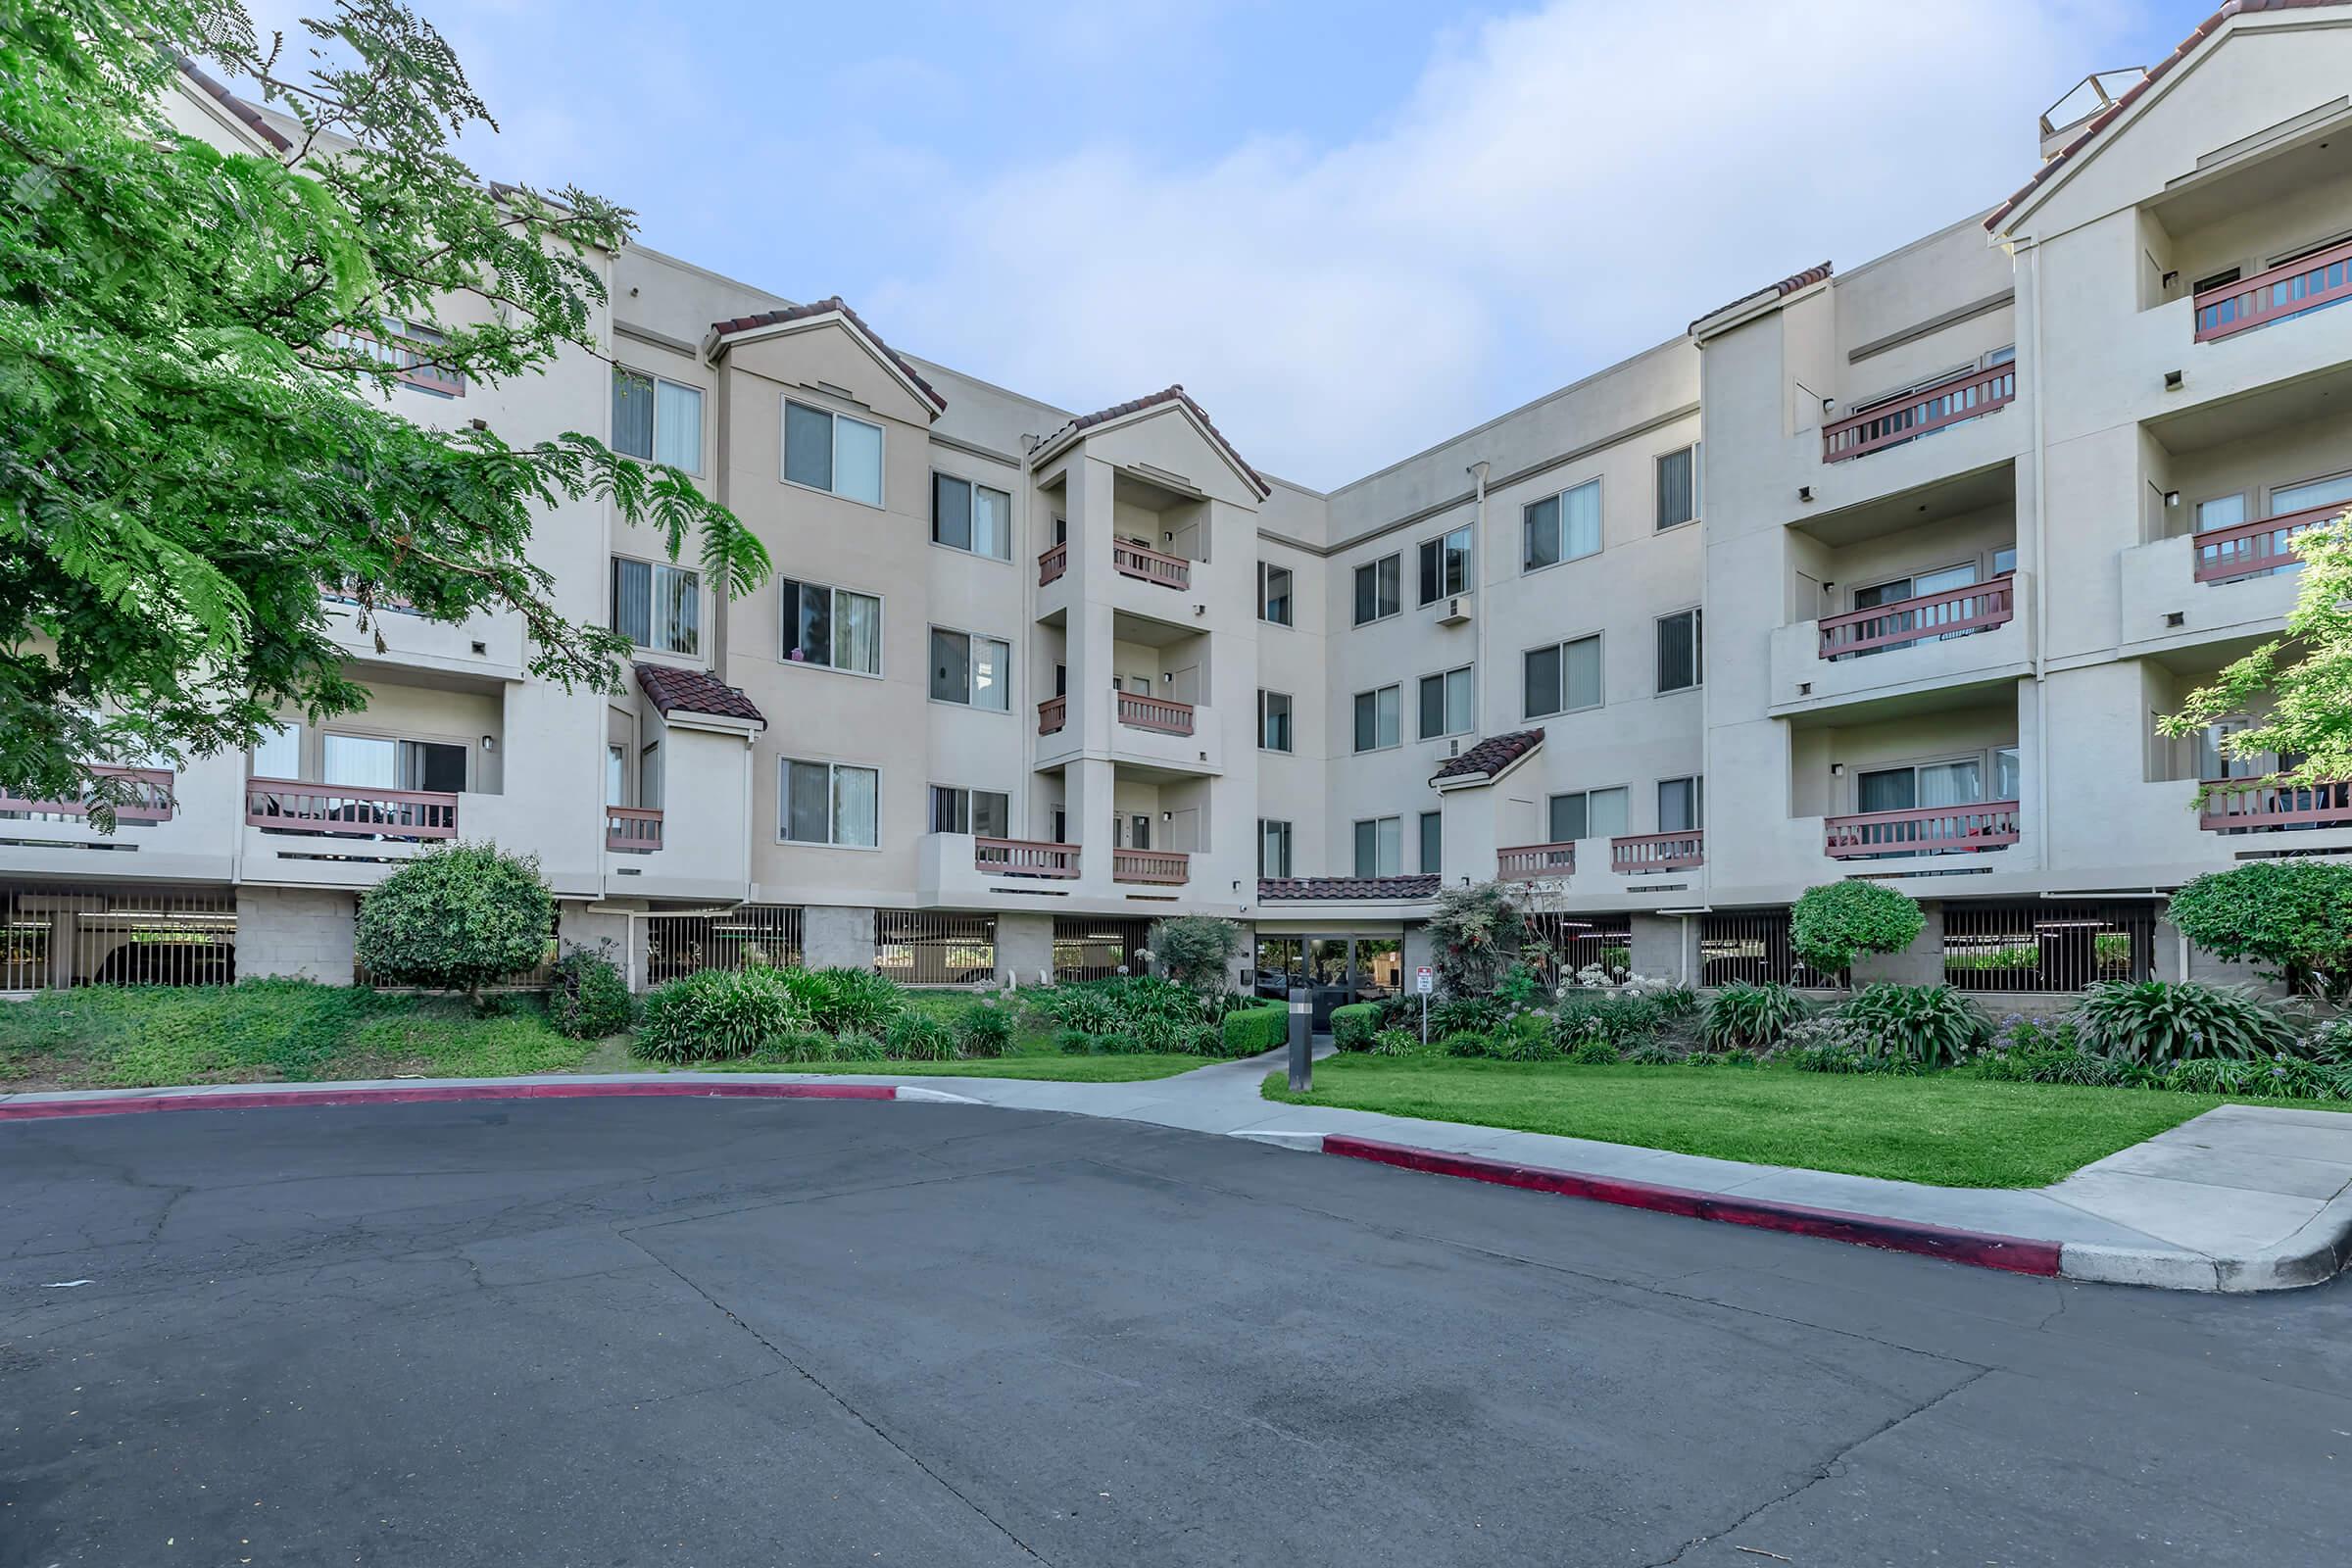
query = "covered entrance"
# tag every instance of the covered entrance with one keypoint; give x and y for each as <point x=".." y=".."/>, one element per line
<point x="1335" y="969"/>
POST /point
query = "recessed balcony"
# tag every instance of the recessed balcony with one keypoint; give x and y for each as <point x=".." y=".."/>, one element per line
<point x="2255" y="549"/>
<point x="1151" y="867"/>
<point x="632" y="829"/>
<point x="1529" y="862"/>
<point x="1923" y="617"/>
<point x="1151" y="565"/>
<point x="2241" y="807"/>
<point x="1635" y="854"/>
<point x="147" y="798"/>
<point x="1053" y="562"/>
<point x="1052" y="715"/>
<point x="339" y="811"/>
<point x="1923" y="830"/>
<point x="1890" y="423"/>
<point x="1024" y="858"/>
<point x="2295" y="289"/>
<point x="1156" y="714"/>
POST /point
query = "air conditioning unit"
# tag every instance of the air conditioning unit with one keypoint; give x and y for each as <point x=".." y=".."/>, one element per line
<point x="1457" y="612"/>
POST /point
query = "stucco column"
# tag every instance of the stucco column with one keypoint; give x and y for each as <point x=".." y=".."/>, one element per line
<point x="837" y="936"/>
<point x="1919" y="965"/>
<point x="1025" y="948"/>
<point x="1660" y="945"/>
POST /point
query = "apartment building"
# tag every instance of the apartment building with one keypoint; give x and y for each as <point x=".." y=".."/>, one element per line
<point x="1880" y="572"/>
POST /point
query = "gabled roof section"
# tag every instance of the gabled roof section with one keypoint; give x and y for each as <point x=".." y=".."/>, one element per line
<point x="1118" y="412"/>
<point x="1359" y="889"/>
<point x="675" y="689"/>
<point x="2057" y="162"/>
<point x="1780" y="290"/>
<point x="1489" y="758"/>
<point x="819" y="310"/>
<point x="244" y="113"/>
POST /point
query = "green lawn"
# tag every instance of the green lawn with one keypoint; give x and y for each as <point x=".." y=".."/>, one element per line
<point x="1950" y="1130"/>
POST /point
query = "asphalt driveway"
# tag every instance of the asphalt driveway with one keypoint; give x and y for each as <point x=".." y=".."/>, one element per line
<point x="711" y="1332"/>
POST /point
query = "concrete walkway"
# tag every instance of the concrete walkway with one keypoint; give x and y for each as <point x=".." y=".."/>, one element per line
<point x="2241" y="1198"/>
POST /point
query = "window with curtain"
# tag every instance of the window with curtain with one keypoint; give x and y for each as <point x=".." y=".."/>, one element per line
<point x="279" y="754"/>
<point x="972" y="670"/>
<point x="1446" y="704"/>
<point x="361" y="762"/>
<point x="1561" y="527"/>
<point x="971" y="517"/>
<point x="617" y="774"/>
<point x="1379" y="847"/>
<point x="828" y="803"/>
<point x="1376" y="715"/>
<point x="1588" y="814"/>
<point x="1273" y="721"/>
<point x="833" y="628"/>
<point x="1379" y="589"/>
<point x="1562" y="678"/>
<point x="1432" y="841"/>
<point x="1678" y="652"/>
<point x="657" y="419"/>
<point x="1680" y="804"/>
<point x="828" y="451"/>
<point x="1273" y="848"/>
<point x="1677" y="486"/>
<point x="1445" y="565"/>
<point x="656" y="605"/>
<point x="1274" y="594"/>
<point x="984" y="813"/>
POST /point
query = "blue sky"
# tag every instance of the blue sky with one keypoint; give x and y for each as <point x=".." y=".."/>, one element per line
<point x="1350" y="229"/>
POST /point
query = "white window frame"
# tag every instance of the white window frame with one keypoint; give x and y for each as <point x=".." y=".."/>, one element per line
<point x="1290" y="595"/>
<point x="654" y="602"/>
<point x="1658" y="488"/>
<point x="881" y="500"/>
<point x="785" y="625"/>
<point x="1626" y="790"/>
<point x="702" y="405"/>
<point x="1698" y="803"/>
<point x="1468" y="533"/>
<point x="1280" y="830"/>
<point x="1698" y="649"/>
<point x="1560" y="499"/>
<point x="1289" y="723"/>
<point x="966" y="479"/>
<point x="1373" y="566"/>
<point x="967" y="792"/>
<point x="833" y="770"/>
<point x="1469" y="716"/>
<point x="971" y="668"/>
<point x="1600" y="639"/>
<point x="1378" y="745"/>
<point x="1421" y="835"/>
<point x="1355" y="846"/>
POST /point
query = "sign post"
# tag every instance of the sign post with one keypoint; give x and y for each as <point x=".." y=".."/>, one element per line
<point x="1425" y="981"/>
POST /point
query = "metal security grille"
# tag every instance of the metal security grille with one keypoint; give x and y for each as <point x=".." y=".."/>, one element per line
<point x="1752" y="944"/>
<point x="75" y="936"/>
<point x="678" y="944"/>
<point x="923" y="948"/>
<point x="536" y="978"/>
<point x="2047" y="945"/>
<point x="1579" y="941"/>
<point x="1096" y="950"/>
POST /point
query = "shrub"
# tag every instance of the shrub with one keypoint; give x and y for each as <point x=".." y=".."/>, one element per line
<point x="1086" y="1009"/>
<point x="802" y="1045"/>
<point x="1526" y="1037"/>
<point x="1249" y="1031"/>
<point x="918" y="1036"/>
<point x="1353" y="1026"/>
<point x="1074" y="1043"/>
<point x="984" y="1031"/>
<point x="1466" y="1042"/>
<point x="1520" y="986"/>
<point x="589" y="1000"/>
<point x="856" y="1046"/>
<point x="1935" y="1025"/>
<point x="457" y="919"/>
<point x="1653" y="1054"/>
<point x="1476" y="933"/>
<point x="2160" y="1022"/>
<point x="2293" y="914"/>
<point x="1196" y="950"/>
<point x="1622" y="1017"/>
<point x="1121" y="1046"/>
<point x="1830" y="925"/>
<point x="846" y="1001"/>
<point x="1754" y="1016"/>
<point x="1457" y="1013"/>
<point x="717" y="1015"/>
<point x="1594" y="1053"/>
<point x="1396" y="1043"/>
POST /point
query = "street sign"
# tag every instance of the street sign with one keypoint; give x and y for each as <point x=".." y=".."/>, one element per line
<point x="1425" y="980"/>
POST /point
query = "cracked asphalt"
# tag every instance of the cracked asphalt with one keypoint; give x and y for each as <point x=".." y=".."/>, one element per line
<point x="767" y="1332"/>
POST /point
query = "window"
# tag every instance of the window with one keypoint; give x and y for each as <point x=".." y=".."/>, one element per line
<point x="1432" y="841"/>
<point x="649" y="776"/>
<point x="1682" y="805"/>
<point x="1447" y="704"/>
<point x="656" y="605"/>
<point x="1679" y="653"/>
<point x="1376" y="720"/>
<point x="617" y="774"/>
<point x="279" y="755"/>
<point x="411" y="347"/>
<point x="827" y="451"/>
<point x="828" y="803"/>
<point x="987" y="814"/>
<point x="1561" y="527"/>
<point x="832" y="628"/>
<point x="1379" y="847"/>
<point x="1379" y="589"/>
<point x="970" y="517"/>
<point x="1274" y="594"/>
<point x="1677" y="486"/>
<point x="970" y="669"/>
<point x="380" y="762"/>
<point x="1927" y="785"/>
<point x="1563" y="678"/>
<point x="657" y="419"/>
<point x="1273" y="848"/>
<point x="1588" y="814"/>
<point x="1273" y="721"/>
<point x="1445" y="565"/>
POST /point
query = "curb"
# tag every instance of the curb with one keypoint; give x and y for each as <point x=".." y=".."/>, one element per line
<point x="255" y="1100"/>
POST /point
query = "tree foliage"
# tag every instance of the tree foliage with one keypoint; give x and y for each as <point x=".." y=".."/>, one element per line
<point x="1195" y="948"/>
<point x="198" y="427"/>
<point x="457" y="919"/>
<point x="2293" y="914"/>
<point x="1476" y="933"/>
<point x="1830" y="925"/>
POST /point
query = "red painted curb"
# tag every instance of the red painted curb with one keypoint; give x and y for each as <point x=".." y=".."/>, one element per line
<point x="1979" y="1248"/>
<point x="431" y="1093"/>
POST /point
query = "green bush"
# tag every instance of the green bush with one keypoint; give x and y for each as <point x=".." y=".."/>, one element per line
<point x="1624" y="1019"/>
<point x="1353" y="1025"/>
<point x="1653" y="1054"/>
<point x="1592" y="1053"/>
<point x="457" y="919"/>
<point x="844" y="1000"/>
<point x="858" y="1047"/>
<point x="2295" y="915"/>
<point x="1249" y="1031"/>
<point x="1753" y="1016"/>
<point x="984" y="1031"/>
<point x="2160" y="1022"/>
<point x="589" y="998"/>
<point x="1466" y="1042"/>
<point x="1121" y="1046"/>
<point x="1457" y="1013"/>
<point x="1935" y="1025"/>
<point x="1476" y="933"/>
<point x="1396" y="1043"/>
<point x="804" y="1045"/>
<point x="1074" y="1043"/>
<point x="1526" y="1037"/>
<point x="718" y="1015"/>
<point x="918" y="1036"/>
<point x="1196" y="950"/>
<point x="1830" y="925"/>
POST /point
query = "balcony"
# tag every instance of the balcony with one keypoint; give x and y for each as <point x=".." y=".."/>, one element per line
<point x="1978" y="607"/>
<point x="148" y="797"/>
<point x="1151" y="565"/>
<point x="2297" y="288"/>
<point x="1158" y="713"/>
<point x="1170" y="869"/>
<point x="284" y="806"/>
<point x="2253" y="549"/>
<point x="632" y="829"/>
<point x="1526" y="862"/>
<point x="1053" y="563"/>
<point x="1639" y="853"/>
<point x="2235" y="805"/>
<point x="1923" y="830"/>
<point x="1051" y="715"/>
<point x="1025" y="858"/>
<point x="1967" y="396"/>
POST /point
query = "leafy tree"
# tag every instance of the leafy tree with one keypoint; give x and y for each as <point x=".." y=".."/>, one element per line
<point x="2293" y="914"/>
<point x="1195" y="948"/>
<point x="1476" y="933"/>
<point x="2304" y="679"/>
<point x="1831" y="925"/>
<point x="458" y="918"/>
<point x="196" y="428"/>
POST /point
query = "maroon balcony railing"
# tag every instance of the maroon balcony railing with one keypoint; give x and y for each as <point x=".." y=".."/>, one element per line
<point x="2245" y="806"/>
<point x="1139" y="561"/>
<point x="1051" y="715"/>
<point x="1523" y="861"/>
<point x="1978" y="607"/>
<point x="1162" y="868"/>
<point x="1155" y="712"/>
<point x="1053" y="562"/>
<point x="1923" y="413"/>
<point x="632" y="829"/>
<point x="2298" y="286"/>
<point x="1636" y="853"/>
<point x="149" y="800"/>
<point x="1024" y="858"/>
<point x="284" y="806"/>
<point x="2263" y="544"/>
<point x="1925" y="830"/>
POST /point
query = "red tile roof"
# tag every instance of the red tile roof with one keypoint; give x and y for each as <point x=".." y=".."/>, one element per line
<point x="675" y="687"/>
<point x="1169" y="394"/>
<point x="1490" y="756"/>
<point x="236" y="105"/>
<point x="2130" y="95"/>
<point x="1274" y="890"/>
<point x="1783" y="288"/>
<point x="829" y="307"/>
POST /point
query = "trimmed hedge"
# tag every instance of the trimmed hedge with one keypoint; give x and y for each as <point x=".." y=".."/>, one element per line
<point x="1249" y="1031"/>
<point x="1355" y="1026"/>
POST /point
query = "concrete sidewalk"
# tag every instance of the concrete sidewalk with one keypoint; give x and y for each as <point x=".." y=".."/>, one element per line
<point x="2241" y="1198"/>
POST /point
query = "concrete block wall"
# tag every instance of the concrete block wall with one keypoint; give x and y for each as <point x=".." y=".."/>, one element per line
<point x="1919" y="965"/>
<point x="837" y="936"/>
<point x="1665" y="948"/>
<point x="1025" y="949"/>
<point x="295" y="933"/>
